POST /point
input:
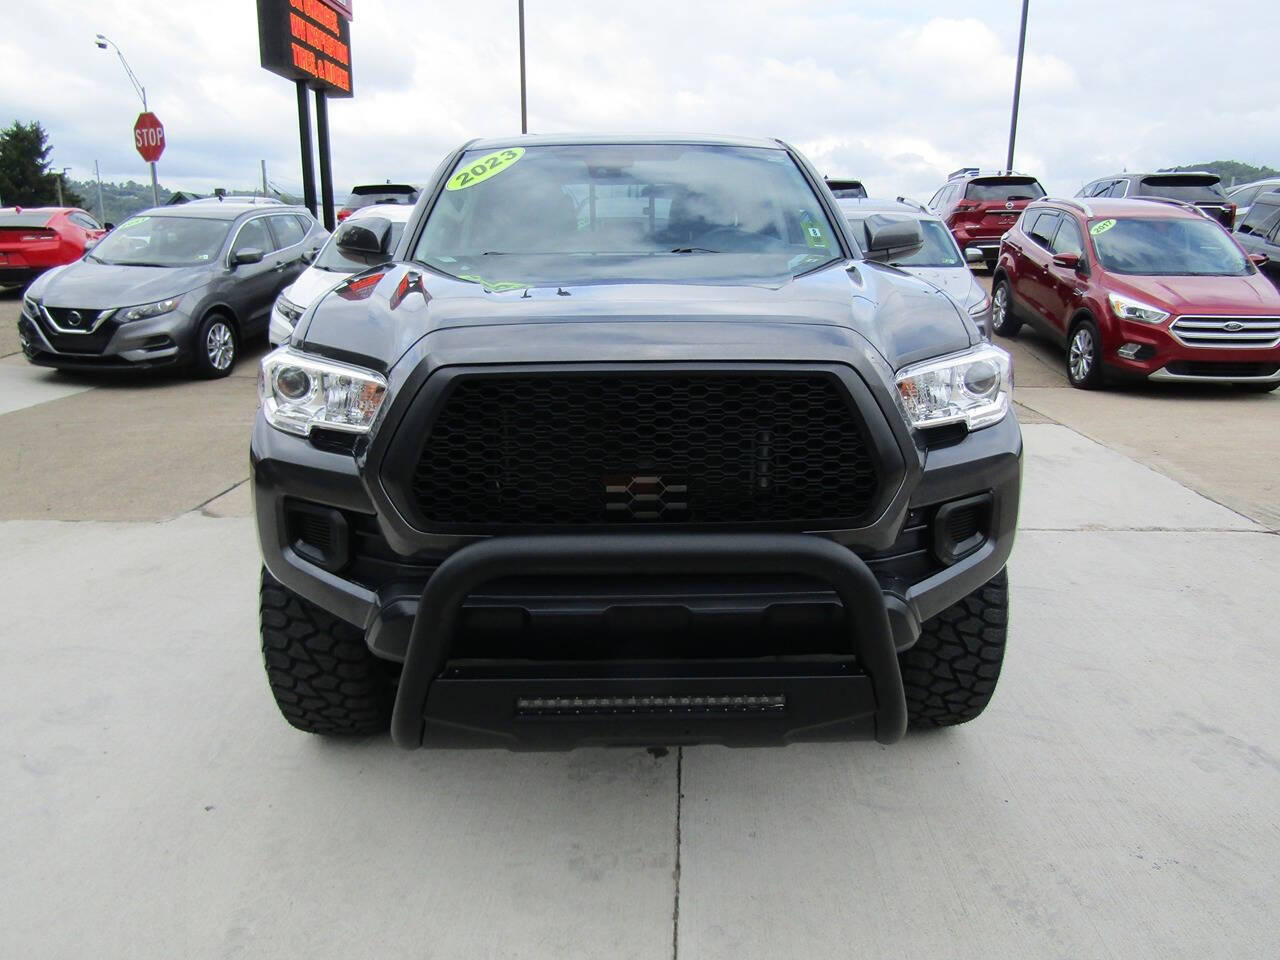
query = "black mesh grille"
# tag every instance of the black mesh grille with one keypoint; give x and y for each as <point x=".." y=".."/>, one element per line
<point x="631" y="448"/>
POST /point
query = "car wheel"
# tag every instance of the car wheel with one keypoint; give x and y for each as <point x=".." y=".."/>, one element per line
<point x="1003" y="322"/>
<point x="1084" y="356"/>
<point x="215" y="346"/>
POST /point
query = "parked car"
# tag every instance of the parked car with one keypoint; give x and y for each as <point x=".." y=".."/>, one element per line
<point x="566" y="475"/>
<point x="365" y="239"/>
<point x="1140" y="289"/>
<point x="172" y="285"/>
<point x="250" y="201"/>
<point x="1258" y="231"/>
<point x="33" y="239"/>
<point x="846" y="189"/>
<point x="979" y="207"/>
<point x="366" y="195"/>
<point x="1244" y="195"/>
<point x="1201" y="189"/>
<point x="938" y="261"/>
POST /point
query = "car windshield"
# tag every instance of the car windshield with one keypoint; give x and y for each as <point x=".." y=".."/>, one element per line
<point x="163" y="242"/>
<point x="674" y="213"/>
<point x="1005" y="188"/>
<point x="1166" y="247"/>
<point x="1188" y="189"/>
<point x="939" y="248"/>
<point x="332" y="258"/>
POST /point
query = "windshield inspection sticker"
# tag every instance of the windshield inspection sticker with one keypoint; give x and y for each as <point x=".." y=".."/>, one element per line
<point x="487" y="166"/>
<point x="1102" y="227"/>
<point x="813" y="233"/>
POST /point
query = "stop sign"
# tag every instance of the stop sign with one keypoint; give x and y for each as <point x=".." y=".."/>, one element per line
<point x="148" y="136"/>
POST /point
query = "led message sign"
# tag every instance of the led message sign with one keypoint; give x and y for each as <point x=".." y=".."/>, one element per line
<point x="307" y="40"/>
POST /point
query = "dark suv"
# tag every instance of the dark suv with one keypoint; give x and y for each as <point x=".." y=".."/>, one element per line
<point x="634" y="443"/>
<point x="1139" y="289"/>
<point x="979" y="207"/>
<point x="1199" y="188"/>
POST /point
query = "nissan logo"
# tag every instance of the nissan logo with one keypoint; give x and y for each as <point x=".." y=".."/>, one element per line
<point x="1233" y="327"/>
<point x="74" y="319"/>
<point x="1008" y="204"/>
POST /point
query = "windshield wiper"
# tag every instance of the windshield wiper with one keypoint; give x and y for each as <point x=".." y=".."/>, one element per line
<point x="693" y="250"/>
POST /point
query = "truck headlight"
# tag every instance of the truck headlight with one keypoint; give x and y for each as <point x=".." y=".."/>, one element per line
<point x="971" y="387"/>
<point x="299" y="392"/>
<point x="147" y="310"/>
<point x="1127" y="309"/>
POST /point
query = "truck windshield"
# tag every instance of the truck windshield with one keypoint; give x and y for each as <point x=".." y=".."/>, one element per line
<point x="601" y="213"/>
<point x="1167" y="248"/>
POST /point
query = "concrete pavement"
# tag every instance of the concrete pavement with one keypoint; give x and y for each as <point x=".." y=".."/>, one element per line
<point x="1120" y="797"/>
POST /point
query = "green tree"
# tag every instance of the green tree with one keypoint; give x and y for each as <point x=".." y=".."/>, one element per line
<point x="25" y="177"/>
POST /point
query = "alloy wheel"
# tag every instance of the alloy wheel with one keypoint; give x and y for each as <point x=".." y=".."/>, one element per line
<point x="220" y="345"/>
<point x="1080" y="358"/>
<point x="999" y="306"/>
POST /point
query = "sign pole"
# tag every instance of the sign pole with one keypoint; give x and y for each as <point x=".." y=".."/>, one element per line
<point x="304" y="136"/>
<point x="326" y="174"/>
<point x="524" y="108"/>
<point x="155" y="186"/>
<point x="1017" y="87"/>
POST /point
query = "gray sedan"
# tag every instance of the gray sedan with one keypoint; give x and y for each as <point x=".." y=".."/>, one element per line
<point x="172" y="285"/>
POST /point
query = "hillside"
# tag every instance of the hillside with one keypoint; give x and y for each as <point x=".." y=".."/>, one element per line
<point x="1231" y="171"/>
<point x="122" y="200"/>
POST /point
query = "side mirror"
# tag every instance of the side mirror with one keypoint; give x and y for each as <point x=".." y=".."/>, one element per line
<point x="246" y="255"/>
<point x="1070" y="261"/>
<point x="973" y="255"/>
<point x="891" y="237"/>
<point x="365" y="238"/>
<point x="1258" y="259"/>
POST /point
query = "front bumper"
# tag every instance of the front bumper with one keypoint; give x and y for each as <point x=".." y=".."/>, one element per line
<point x="156" y="342"/>
<point x="1163" y="357"/>
<point x="787" y="585"/>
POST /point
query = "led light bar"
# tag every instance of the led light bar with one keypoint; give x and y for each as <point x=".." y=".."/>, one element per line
<point x="697" y="703"/>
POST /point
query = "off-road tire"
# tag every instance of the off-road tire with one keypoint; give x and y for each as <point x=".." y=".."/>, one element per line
<point x="951" y="672"/>
<point x="321" y="673"/>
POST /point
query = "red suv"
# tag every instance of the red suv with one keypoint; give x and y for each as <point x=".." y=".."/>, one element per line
<point x="33" y="239"/>
<point x="979" y="207"/>
<point x="1139" y="288"/>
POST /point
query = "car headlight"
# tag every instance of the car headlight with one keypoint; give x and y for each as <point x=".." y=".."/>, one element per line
<point x="1127" y="309"/>
<point x="299" y="392"/>
<point x="980" y="306"/>
<point x="971" y="387"/>
<point x="288" y="309"/>
<point x="30" y="308"/>
<point x="147" y="310"/>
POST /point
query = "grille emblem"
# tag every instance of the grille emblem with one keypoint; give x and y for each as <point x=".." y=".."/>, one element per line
<point x="646" y="497"/>
<point x="1233" y="327"/>
<point x="1008" y="204"/>
<point x="74" y="319"/>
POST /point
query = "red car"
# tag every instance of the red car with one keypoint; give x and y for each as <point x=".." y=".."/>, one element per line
<point x="33" y="239"/>
<point x="1139" y="289"/>
<point x="979" y="207"/>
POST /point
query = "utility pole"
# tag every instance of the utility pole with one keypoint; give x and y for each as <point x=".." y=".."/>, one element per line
<point x="264" y="179"/>
<point x="58" y="184"/>
<point x="102" y="210"/>
<point x="524" y="107"/>
<point x="1017" y="85"/>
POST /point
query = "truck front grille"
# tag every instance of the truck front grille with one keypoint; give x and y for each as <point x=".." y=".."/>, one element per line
<point x="637" y="448"/>
<point x="1258" y="333"/>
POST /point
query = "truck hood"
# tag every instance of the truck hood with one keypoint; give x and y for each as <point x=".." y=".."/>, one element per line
<point x="1210" y="295"/>
<point x="901" y="317"/>
<point x="100" y="286"/>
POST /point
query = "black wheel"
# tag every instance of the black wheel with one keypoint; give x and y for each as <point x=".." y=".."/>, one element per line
<point x="1257" y="387"/>
<point x="321" y="673"/>
<point x="951" y="672"/>
<point x="1084" y="356"/>
<point x="215" y="346"/>
<point x="1003" y="322"/>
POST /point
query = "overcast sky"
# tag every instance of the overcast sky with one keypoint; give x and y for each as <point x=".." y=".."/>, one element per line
<point x="895" y="93"/>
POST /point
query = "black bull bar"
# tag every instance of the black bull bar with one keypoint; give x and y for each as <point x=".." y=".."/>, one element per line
<point x="770" y="700"/>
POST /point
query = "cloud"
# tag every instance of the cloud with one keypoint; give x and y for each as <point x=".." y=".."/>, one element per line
<point x="898" y="94"/>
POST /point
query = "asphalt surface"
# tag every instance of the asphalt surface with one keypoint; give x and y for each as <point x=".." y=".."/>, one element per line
<point x="1120" y="797"/>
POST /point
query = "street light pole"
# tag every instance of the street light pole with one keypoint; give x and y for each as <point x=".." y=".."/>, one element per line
<point x="524" y="109"/>
<point x="102" y="44"/>
<point x="1017" y="85"/>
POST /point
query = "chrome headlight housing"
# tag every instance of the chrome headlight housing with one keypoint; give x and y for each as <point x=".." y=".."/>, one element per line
<point x="1128" y="309"/>
<point x="288" y="309"/>
<point x="30" y="307"/>
<point x="147" y="310"/>
<point x="299" y="392"/>
<point x="973" y="388"/>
